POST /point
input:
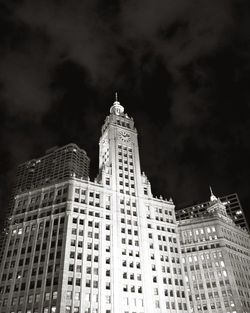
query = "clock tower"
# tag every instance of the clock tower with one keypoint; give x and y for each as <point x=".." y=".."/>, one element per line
<point x="120" y="173"/>
<point x="119" y="162"/>
<point x="132" y="205"/>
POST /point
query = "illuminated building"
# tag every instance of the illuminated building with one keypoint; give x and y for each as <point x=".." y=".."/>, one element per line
<point x="106" y="246"/>
<point x="216" y="258"/>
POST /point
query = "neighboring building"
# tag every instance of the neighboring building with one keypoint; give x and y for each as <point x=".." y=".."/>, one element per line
<point x="216" y="258"/>
<point x="57" y="164"/>
<point x="233" y="206"/>
<point x="107" y="246"/>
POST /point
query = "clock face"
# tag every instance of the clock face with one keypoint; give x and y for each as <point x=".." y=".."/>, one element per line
<point x="124" y="136"/>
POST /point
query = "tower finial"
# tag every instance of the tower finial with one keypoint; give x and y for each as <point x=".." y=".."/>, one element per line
<point x="211" y="191"/>
<point x="116" y="96"/>
<point x="212" y="196"/>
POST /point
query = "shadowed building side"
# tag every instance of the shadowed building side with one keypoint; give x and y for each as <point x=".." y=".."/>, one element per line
<point x="57" y="164"/>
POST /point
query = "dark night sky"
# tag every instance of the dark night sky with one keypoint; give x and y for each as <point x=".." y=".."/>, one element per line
<point x="182" y="70"/>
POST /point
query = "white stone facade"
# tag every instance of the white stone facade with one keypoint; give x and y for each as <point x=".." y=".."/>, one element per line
<point x="109" y="246"/>
<point x="106" y="246"/>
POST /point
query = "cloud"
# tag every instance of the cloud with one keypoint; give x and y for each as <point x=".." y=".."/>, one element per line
<point x="77" y="33"/>
<point x="110" y="43"/>
<point x="25" y="84"/>
<point x="168" y="54"/>
<point x="179" y="31"/>
<point x="82" y="32"/>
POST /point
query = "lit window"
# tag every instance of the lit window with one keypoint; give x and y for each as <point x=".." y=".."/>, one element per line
<point x="77" y="295"/>
<point x="30" y="298"/>
<point x="68" y="309"/>
<point x="47" y="296"/>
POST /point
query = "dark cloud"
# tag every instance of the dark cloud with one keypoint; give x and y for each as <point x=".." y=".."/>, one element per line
<point x="182" y="70"/>
<point x="77" y="32"/>
<point x="178" y="32"/>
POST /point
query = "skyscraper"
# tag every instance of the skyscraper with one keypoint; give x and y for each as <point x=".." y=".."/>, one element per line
<point x="79" y="246"/>
<point x="107" y="246"/>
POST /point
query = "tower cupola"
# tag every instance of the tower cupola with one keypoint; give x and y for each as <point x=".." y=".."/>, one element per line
<point x="116" y="108"/>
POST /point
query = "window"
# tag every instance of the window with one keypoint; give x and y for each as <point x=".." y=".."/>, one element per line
<point x="30" y="298"/>
<point x="70" y="280"/>
<point x="69" y="295"/>
<point x="79" y="256"/>
<point x="14" y="301"/>
<point x="38" y="297"/>
<point x="77" y="295"/>
<point x="108" y="299"/>
<point x="47" y="296"/>
<point x="78" y="282"/>
<point x="79" y="268"/>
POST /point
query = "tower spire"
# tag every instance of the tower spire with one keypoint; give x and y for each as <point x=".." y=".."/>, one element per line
<point x="212" y="196"/>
